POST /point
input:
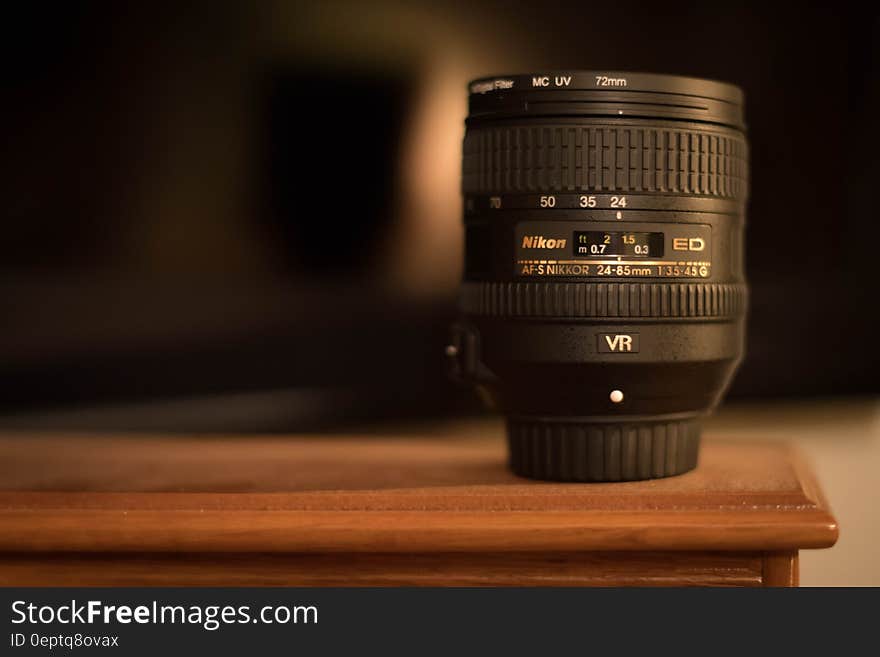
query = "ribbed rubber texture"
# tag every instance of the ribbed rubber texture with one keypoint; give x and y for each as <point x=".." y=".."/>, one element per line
<point x="625" y="158"/>
<point x="508" y="299"/>
<point x="561" y="451"/>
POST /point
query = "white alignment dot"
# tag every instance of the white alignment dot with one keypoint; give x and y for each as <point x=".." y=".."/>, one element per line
<point x="616" y="396"/>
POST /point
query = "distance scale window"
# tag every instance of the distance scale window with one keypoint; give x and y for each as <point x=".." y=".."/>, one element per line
<point x="599" y="243"/>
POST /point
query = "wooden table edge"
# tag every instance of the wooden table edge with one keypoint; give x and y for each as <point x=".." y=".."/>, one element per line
<point x="74" y="530"/>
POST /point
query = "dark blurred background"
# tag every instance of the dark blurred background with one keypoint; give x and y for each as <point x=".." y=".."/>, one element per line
<point x="246" y="216"/>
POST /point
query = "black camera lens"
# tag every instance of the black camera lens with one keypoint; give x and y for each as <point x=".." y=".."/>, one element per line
<point x="604" y="298"/>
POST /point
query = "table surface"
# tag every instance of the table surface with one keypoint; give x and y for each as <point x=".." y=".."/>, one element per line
<point x="422" y="490"/>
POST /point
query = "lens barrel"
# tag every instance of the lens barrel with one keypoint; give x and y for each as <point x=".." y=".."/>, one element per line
<point x="604" y="298"/>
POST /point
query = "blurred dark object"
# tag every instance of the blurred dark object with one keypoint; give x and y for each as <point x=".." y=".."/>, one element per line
<point x="169" y="171"/>
<point x="333" y="140"/>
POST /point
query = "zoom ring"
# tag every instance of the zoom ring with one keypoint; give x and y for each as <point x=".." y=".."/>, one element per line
<point x="621" y="158"/>
<point x="571" y="451"/>
<point x="628" y="300"/>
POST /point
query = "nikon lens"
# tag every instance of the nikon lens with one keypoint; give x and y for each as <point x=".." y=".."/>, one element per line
<point x="604" y="298"/>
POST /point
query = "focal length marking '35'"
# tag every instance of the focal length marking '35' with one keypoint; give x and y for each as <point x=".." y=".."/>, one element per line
<point x="604" y="297"/>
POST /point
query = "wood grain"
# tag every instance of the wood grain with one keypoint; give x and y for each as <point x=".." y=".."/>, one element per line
<point x="438" y="569"/>
<point x="400" y="507"/>
<point x="409" y="531"/>
<point x="426" y="493"/>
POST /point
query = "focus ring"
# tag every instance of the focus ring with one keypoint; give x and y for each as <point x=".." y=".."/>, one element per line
<point x="628" y="300"/>
<point x="622" y="158"/>
<point x="572" y="451"/>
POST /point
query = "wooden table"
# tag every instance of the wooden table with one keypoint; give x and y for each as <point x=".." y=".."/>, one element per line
<point x="434" y="508"/>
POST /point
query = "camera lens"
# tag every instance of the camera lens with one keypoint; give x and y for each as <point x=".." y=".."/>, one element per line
<point x="604" y="298"/>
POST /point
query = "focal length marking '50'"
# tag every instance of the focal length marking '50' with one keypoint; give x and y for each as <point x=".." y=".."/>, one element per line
<point x="604" y="297"/>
